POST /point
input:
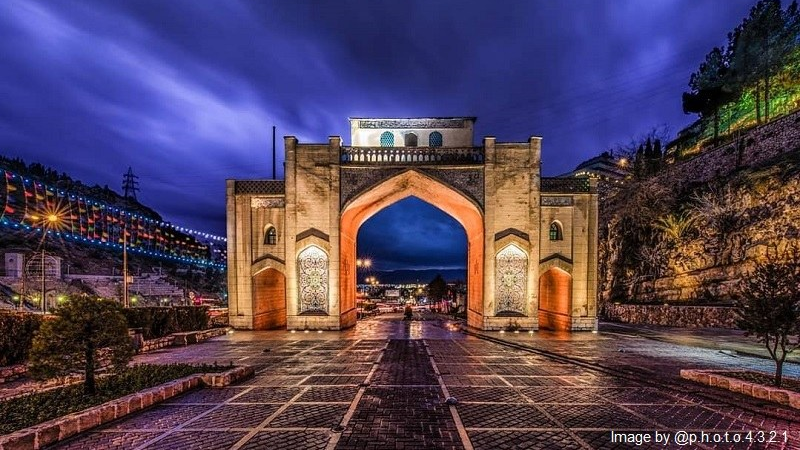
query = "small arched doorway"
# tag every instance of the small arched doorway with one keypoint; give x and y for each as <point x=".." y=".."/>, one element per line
<point x="269" y="300"/>
<point x="555" y="299"/>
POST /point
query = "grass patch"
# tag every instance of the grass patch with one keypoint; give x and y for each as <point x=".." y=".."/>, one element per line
<point x="32" y="409"/>
<point x="764" y="379"/>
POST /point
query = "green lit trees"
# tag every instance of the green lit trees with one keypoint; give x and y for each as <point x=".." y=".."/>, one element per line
<point x="762" y="57"/>
<point x="711" y="88"/>
<point x="770" y="309"/>
<point x="761" y="46"/>
<point x="84" y="333"/>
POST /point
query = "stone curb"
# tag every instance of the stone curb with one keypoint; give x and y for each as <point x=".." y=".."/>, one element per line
<point x="759" y="391"/>
<point x="62" y="428"/>
<point x="194" y="337"/>
<point x="11" y="373"/>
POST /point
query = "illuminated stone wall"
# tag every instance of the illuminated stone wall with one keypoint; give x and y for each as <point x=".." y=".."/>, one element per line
<point x="746" y="150"/>
<point x="672" y="316"/>
<point x="756" y="182"/>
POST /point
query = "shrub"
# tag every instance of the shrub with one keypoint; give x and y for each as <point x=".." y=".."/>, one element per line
<point x="83" y="332"/>
<point x="159" y="321"/>
<point x="34" y="408"/>
<point x="155" y="321"/>
<point x="191" y="318"/>
<point x="16" y="335"/>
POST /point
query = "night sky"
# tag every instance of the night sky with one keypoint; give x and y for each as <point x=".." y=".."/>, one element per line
<point x="186" y="91"/>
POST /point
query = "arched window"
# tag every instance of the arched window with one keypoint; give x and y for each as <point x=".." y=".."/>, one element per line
<point x="387" y="139"/>
<point x="435" y="139"/>
<point x="411" y="140"/>
<point x="555" y="232"/>
<point x="271" y="236"/>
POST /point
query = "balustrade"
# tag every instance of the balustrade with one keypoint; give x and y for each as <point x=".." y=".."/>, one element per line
<point x="412" y="155"/>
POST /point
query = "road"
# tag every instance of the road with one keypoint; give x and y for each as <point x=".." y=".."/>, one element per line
<point x="384" y="384"/>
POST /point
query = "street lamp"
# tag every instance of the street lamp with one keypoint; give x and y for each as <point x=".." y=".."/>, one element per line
<point x="49" y="221"/>
<point x="126" y="302"/>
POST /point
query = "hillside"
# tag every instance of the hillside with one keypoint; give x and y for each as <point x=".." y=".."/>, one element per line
<point x="90" y="243"/>
<point x="689" y="234"/>
<point x="52" y="177"/>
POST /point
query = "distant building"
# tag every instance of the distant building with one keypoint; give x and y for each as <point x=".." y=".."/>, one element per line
<point x="16" y="264"/>
<point x="604" y="167"/>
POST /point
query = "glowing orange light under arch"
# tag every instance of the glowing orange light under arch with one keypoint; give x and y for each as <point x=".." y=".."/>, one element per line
<point x="411" y="184"/>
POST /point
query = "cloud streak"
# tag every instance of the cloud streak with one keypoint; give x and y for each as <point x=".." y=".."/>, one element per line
<point x="186" y="92"/>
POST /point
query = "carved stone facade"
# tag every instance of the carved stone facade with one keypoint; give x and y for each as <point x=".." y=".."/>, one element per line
<point x="411" y="123"/>
<point x="355" y="180"/>
<point x="312" y="279"/>
<point x="303" y="274"/>
<point x="511" y="275"/>
<point x="267" y="202"/>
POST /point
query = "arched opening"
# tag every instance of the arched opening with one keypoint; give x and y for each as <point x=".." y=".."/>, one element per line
<point x="399" y="187"/>
<point x="270" y="236"/>
<point x="555" y="299"/>
<point x="556" y="231"/>
<point x="410" y="139"/>
<point x="402" y="249"/>
<point x="387" y="139"/>
<point x="269" y="300"/>
<point x="435" y="139"/>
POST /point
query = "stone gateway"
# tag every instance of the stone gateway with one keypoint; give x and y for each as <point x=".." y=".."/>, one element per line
<point x="531" y="241"/>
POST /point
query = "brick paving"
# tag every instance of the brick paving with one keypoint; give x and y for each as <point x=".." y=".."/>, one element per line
<point x="384" y="385"/>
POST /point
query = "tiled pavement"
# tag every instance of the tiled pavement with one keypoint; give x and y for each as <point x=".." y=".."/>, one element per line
<point x="384" y="385"/>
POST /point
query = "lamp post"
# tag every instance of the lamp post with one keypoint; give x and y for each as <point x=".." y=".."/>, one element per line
<point x="125" y="302"/>
<point x="49" y="221"/>
<point x="363" y="263"/>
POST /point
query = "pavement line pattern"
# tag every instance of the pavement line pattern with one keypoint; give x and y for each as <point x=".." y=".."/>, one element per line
<point x="266" y="421"/>
<point x="462" y="432"/>
<point x="189" y="422"/>
<point x="384" y="385"/>
<point x="403" y="407"/>
<point x="352" y="409"/>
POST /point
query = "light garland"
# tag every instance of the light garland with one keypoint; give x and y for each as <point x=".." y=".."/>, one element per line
<point x="82" y="211"/>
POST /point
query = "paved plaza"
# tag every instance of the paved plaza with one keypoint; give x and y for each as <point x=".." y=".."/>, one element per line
<point x="386" y="383"/>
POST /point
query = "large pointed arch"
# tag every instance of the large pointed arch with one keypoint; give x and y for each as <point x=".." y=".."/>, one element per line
<point x="412" y="184"/>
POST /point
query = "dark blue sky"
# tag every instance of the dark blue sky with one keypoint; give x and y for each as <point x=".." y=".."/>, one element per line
<point x="413" y="234"/>
<point x="186" y="91"/>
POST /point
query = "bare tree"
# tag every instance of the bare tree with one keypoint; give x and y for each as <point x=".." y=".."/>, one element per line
<point x="770" y="309"/>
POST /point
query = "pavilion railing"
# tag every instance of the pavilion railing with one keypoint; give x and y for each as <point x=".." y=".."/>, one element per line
<point x="412" y="155"/>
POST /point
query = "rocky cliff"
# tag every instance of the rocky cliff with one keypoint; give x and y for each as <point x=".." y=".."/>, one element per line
<point x="689" y="234"/>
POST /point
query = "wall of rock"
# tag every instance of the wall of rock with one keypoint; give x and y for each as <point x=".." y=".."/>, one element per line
<point x="691" y="233"/>
<point x="745" y="150"/>
<point x="672" y="316"/>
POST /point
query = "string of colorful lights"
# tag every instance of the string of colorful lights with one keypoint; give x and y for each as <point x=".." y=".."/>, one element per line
<point x="83" y="220"/>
